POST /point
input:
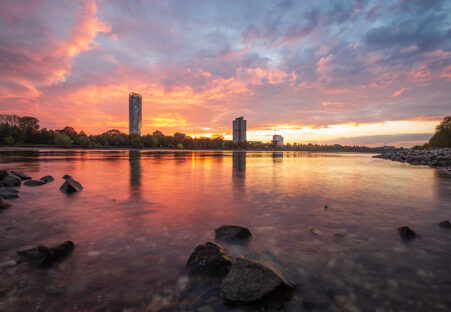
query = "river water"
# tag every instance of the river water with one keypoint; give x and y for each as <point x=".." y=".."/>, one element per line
<point x="141" y="214"/>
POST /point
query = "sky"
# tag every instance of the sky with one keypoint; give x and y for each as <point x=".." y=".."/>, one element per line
<point x="349" y="72"/>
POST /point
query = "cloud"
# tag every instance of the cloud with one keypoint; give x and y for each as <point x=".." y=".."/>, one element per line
<point x="199" y="63"/>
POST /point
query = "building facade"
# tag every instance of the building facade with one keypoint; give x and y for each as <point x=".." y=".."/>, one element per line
<point x="277" y="140"/>
<point x="239" y="130"/>
<point x="135" y="113"/>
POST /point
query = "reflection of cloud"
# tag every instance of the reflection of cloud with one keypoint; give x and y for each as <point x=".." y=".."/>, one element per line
<point x="73" y="63"/>
<point x="413" y="138"/>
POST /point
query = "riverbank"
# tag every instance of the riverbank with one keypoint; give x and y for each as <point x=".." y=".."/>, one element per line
<point x="437" y="157"/>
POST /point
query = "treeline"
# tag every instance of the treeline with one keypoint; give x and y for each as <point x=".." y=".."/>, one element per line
<point x="441" y="137"/>
<point x="16" y="130"/>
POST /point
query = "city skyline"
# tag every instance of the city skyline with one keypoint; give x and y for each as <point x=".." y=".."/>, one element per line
<point x="348" y="72"/>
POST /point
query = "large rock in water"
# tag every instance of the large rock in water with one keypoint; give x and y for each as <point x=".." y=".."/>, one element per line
<point x="47" y="178"/>
<point x="254" y="277"/>
<point x="71" y="186"/>
<point x="4" y="204"/>
<point x="45" y="256"/>
<point x="21" y="175"/>
<point x="8" y="194"/>
<point x="232" y="232"/>
<point x="406" y="233"/>
<point x="445" y="224"/>
<point x="12" y="180"/>
<point x="34" y="182"/>
<point x="3" y="173"/>
<point x="210" y="257"/>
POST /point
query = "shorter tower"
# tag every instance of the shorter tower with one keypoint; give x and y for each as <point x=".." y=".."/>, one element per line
<point x="135" y="113"/>
<point x="277" y="140"/>
<point x="239" y="130"/>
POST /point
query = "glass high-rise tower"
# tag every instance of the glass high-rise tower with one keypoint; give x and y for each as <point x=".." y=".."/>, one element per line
<point x="135" y="113"/>
<point x="239" y="130"/>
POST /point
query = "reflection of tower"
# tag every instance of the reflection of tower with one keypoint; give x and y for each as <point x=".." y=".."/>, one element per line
<point x="277" y="156"/>
<point x="135" y="113"/>
<point x="134" y="157"/>
<point x="239" y="170"/>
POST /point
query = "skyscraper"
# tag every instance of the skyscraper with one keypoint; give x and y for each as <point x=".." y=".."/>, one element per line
<point x="239" y="130"/>
<point x="135" y="113"/>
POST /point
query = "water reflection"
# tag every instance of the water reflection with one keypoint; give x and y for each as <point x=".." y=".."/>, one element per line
<point x="239" y="171"/>
<point x="141" y="213"/>
<point x="135" y="173"/>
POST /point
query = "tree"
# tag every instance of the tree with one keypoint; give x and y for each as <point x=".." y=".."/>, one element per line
<point x="135" y="141"/>
<point x="63" y="140"/>
<point x="442" y="136"/>
<point x="68" y="131"/>
<point x="9" y="140"/>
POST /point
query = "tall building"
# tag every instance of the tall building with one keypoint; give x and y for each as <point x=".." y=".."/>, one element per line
<point x="277" y="140"/>
<point x="135" y="113"/>
<point x="239" y="130"/>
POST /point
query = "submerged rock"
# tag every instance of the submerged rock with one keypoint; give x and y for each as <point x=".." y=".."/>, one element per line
<point x="11" y="180"/>
<point x="71" y="186"/>
<point x="3" y="173"/>
<point x="34" y="182"/>
<point x="230" y="232"/>
<point x="4" y="204"/>
<point x="406" y="232"/>
<point x="21" y="175"/>
<point x="47" y="178"/>
<point x="45" y="256"/>
<point x="210" y="257"/>
<point x="314" y="232"/>
<point x="66" y="176"/>
<point x="445" y="224"/>
<point x="8" y="194"/>
<point x="255" y="277"/>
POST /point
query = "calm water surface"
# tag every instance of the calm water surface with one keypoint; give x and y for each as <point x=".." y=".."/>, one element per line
<point x="142" y="213"/>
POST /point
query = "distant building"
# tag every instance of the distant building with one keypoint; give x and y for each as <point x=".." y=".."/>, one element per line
<point x="135" y="113"/>
<point x="239" y="130"/>
<point x="277" y="140"/>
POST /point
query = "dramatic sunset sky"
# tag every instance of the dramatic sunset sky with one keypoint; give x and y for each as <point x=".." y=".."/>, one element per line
<point x="350" y="72"/>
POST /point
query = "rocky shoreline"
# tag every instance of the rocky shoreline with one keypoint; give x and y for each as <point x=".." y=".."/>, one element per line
<point x="436" y="158"/>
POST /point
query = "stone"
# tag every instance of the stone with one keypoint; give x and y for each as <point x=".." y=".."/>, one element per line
<point x="46" y="256"/>
<point x="66" y="176"/>
<point x="254" y="277"/>
<point x="70" y="186"/>
<point x="21" y="175"/>
<point x="231" y="232"/>
<point x="34" y="182"/>
<point x="314" y="232"/>
<point x="7" y="194"/>
<point x="12" y="180"/>
<point x="210" y="257"/>
<point x="445" y="224"/>
<point x="3" y="173"/>
<point x="406" y="232"/>
<point x="47" y="178"/>
<point x="4" y="204"/>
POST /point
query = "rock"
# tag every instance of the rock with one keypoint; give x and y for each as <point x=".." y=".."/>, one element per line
<point x="231" y="232"/>
<point x="4" y="204"/>
<point x="406" y="232"/>
<point x="445" y="224"/>
<point x="34" y="182"/>
<point x="21" y="175"/>
<point x="8" y="194"/>
<point x="326" y="206"/>
<point x="210" y="257"/>
<point x="66" y="176"/>
<point x="3" y="173"/>
<point x="47" y="178"/>
<point x="71" y="186"/>
<point x="255" y="277"/>
<point x="12" y="180"/>
<point x="45" y="256"/>
<point x="314" y="232"/>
